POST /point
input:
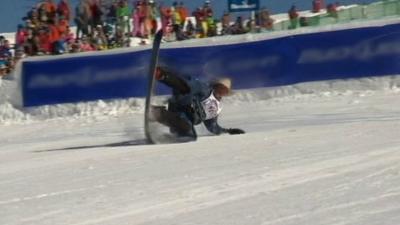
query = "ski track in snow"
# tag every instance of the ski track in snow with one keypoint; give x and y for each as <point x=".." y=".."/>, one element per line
<point x="314" y="153"/>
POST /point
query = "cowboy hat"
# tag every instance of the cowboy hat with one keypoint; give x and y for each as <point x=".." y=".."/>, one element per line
<point x="225" y="82"/>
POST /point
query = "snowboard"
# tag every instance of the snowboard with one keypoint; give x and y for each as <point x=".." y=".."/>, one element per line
<point x="155" y="132"/>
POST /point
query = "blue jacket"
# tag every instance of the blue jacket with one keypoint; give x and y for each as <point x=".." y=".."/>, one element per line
<point x="190" y="104"/>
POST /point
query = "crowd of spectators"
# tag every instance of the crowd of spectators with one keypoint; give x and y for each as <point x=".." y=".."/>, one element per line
<point x="317" y="5"/>
<point x="108" y="24"/>
<point x="7" y="58"/>
<point x="331" y="8"/>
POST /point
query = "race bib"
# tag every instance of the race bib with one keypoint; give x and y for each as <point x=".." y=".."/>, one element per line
<point x="211" y="106"/>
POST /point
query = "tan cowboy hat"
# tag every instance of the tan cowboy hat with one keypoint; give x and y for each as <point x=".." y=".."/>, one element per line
<point x="226" y="82"/>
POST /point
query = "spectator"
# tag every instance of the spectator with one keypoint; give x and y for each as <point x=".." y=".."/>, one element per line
<point x="20" y="36"/>
<point x="149" y="19"/>
<point x="62" y="25"/>
<point x="82" y="18"/>
<point x="154" y="15"/>
<point x="5" y="48"/>
<point x="226" y="23"/>
<point x="5" y="53"/>
<point x="211" y="27"/>
<point x="54" y="36"/>
<point x="183" y="12"/>
<point x="6" y="62"/>
<point x="60" y="46"/>
<point x="85" y="45"/>
<point x="121" y="39"/>
<point x="42" y="13"/>
<point x="332" y="10"/>
<point x="45" y="45"/>
<point x="176" y="16"/>
<point x="265" y="20"/>
<point x="190" y="29"/>
<point x="293" y="17"/>
<point x="136" y="20"/>
<point x="237" y="27"/>
<point x="19" y="54"/>
<point x="32" y="11"/>
<point x="170" y="35"/>
<point x="34" y="18"/>
<point x="179" y="34"/>
<point x="317" y="5"/>
<point x="304" y="21"/>
<point x="123" y="15"/>
<point x="96" y="15"/>
<point x="31" y="44"/>
<point x="142" y="18"/>
<point x="3" y="68"/>
<point x="49" y="10"/>
<point x="198" y="14"/>
<point x="251" y="26"/>
<point x="111" y="16"/>
<point x="207" y="19"/>
<point x="69" y="35"/>
<point x="76" y="46"/>
<point x="30" y="25"/>
<point x="99" y="39"/>
<point x="69" y="39"/>
<point x="207" y="10"/>
<point x="166" y="18"/>
<point x="64" y="9"/>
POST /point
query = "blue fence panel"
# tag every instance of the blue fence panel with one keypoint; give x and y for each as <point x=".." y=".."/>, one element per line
<point x="84" y="78"/>
<point x="341" y="54"/>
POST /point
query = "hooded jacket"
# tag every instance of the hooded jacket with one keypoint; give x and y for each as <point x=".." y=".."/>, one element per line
<point x="198" y="104"/>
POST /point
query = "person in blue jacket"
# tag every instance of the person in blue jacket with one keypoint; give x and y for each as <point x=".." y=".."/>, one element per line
<point x="192" y="102"/>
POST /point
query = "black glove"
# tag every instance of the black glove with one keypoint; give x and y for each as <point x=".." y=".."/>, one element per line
<point x="234" y="131"/>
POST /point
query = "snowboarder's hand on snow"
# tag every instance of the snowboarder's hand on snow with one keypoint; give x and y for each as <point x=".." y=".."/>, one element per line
<point x="235" y="131"/>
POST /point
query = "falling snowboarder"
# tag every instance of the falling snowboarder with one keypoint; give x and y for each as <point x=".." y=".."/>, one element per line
<point x="192" y="102"/>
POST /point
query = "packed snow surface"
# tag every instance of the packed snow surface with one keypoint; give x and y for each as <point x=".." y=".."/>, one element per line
<point x="314" y="153"/>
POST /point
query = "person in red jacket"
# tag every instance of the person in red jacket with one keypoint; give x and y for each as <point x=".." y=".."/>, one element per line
<point x="64" y="9"/>
<point x="45" y="45"/>
<point x="317" y="6"/>
<point x="50" y="8"/>
<point x="20" y="36"/>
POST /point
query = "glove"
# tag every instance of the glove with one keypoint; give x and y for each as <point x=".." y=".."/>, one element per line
<point x="234" y="131"/>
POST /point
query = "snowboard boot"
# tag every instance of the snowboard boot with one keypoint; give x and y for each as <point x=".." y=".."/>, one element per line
<point x="172" y="80"/>
<point x="173" y="120"/>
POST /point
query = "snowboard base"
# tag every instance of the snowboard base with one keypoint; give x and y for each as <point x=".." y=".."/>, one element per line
<point x="155" y="132"/>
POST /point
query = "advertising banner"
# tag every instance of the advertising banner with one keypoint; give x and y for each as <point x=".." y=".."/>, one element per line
<point x="85" y="78"/>
<point x="243" y="5"/>
<point x="338" y="54"/>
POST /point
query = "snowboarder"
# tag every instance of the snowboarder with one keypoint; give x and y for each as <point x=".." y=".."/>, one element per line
<point x="192" y="102"/>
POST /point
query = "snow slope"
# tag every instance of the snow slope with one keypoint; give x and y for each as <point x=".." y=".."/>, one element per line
<point x="314" y="153"/>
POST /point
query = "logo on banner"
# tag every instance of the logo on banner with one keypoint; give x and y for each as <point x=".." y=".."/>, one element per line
<point x="243" y="5"/>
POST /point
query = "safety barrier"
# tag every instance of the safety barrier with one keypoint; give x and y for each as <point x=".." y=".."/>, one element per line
<point x="377" y="10"/>
<point x="252" y="61"/>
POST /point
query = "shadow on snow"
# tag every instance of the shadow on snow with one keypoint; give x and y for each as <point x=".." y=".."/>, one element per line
<point x="110" y="145"/>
